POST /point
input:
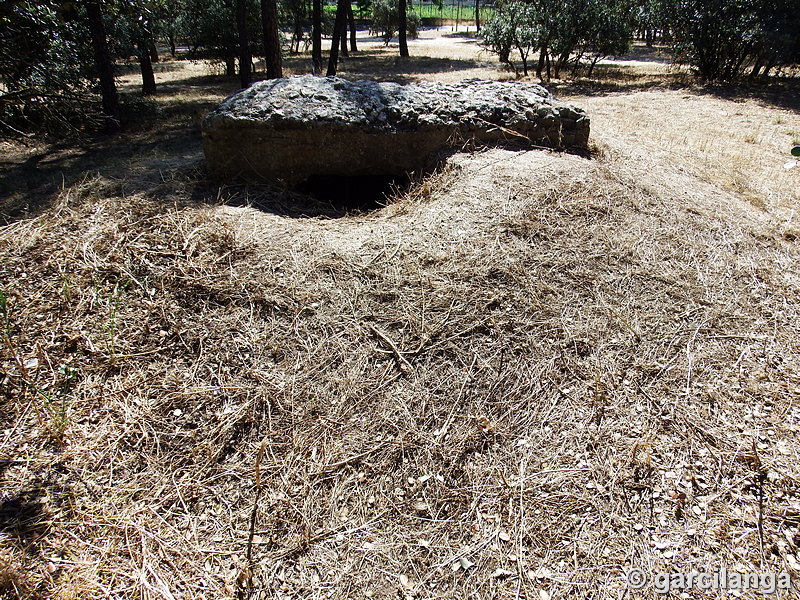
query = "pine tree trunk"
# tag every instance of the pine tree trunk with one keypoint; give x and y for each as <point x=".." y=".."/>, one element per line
<point x="477" y="16"/>
<point x="105" y="68"/>
<point x="402" y="26"/>
<point x="230" y="62"/>
<point x="297" y="36"/>
<point x="343" y="37"/>
<point x="245" y="59"/>
<point x="153" y="49"/>
<point x="352" y="22"/>
<point x="148" y="78"/>
<point x="338" y="30"/>
<point x="316" y="35"/>
<point x="272" y="41"/>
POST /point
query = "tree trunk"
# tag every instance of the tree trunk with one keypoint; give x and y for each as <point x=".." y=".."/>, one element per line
<point x="153" y="49"/>
<point x="272" y="40"/>
<point x="343" y="37"/>
<point x="230" y="63"/>
<point x="477" y="15"/>
<point x="770" y="64"/>
<point x="338" y="30"/>
<point x="560" y="63"/>
<point x="757" y="64"/>
<point x="148" y="78"/>
<point x="592" y="66"/>
<point x="297" y="36"/>
<point x="402" y="26"/>
<point x="105" y="68"/>
<point x="316" y="35"/>
<point x="540" y="65"/>
<point x="351" y="21"/>
<point x="172" y="43"/>
<point x="547" y="64"/>
<point x="245" y="59"/>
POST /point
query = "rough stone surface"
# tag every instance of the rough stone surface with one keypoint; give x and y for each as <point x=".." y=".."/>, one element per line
<point x="295" y="128"/>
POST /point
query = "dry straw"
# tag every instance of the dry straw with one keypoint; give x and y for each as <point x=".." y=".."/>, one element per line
<point x="528" y="374"/>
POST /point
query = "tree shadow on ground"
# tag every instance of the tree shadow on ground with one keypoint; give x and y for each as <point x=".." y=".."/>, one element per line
<point x="380" y="66"/>
<point x="136" y="161"/>
<point x="152" y="143"/>
<point x="471" y="36"/>
<point x="656" y="54"/>
<point x="24" y="517"/>
<point x="208" y="85"/>
<point x="609" y="86"/>
<point x="777" y="92"/>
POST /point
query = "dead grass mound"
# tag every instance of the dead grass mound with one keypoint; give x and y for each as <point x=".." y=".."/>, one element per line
<point x="529" y="375"/>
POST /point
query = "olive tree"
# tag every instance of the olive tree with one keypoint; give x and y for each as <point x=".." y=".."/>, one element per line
<point x="721" y="39"/>
<point x="386" y="20"/>
<point x="514" y="26"/>
<point x="562" y="31"/>
<point x="714" y="36"/>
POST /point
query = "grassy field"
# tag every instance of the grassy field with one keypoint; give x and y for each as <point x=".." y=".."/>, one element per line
<point x="464" y="13"/>
<point x="521" y="377"/>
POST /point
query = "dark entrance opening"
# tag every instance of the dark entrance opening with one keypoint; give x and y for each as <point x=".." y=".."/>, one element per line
<point x="353" y="193"/>
<point x="327" y="196"/>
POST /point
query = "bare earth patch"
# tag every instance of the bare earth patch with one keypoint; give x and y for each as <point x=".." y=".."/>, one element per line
<point x="522" y="377"/>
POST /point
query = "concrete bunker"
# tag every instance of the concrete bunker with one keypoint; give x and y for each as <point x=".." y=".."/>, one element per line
<point x="322" y="133"/>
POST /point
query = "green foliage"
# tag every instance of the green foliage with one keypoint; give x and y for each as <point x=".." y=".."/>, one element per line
<point x="514" y="26"/>
<point x="714" y="36"/>
<point x="386" y="19"/>
<point x="607" y="31"/>
<point x="47" y="63"/>
<point x="294" y="12"/>
<point x="210" y="26"/>
<point x="720" y="39"/>
<point x="563" y="32"/>
<point x="136" y="109"/>
<point x="650" y="15"/>
<point x="56" y="402"/>
<point x="364" y="7"/>
<point x="45" y="66"/>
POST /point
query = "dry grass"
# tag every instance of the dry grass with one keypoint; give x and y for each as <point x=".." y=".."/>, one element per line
<point x="551" y="367"/>
<point x="739" y="145"/>
<point x="520" y="378"/>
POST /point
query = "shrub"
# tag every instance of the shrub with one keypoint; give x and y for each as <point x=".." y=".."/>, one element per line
<point x="563" y="32"/>
<point x="721" y="38"/>
<point x="386" y="19"/>
<point x="45" y="66"/>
